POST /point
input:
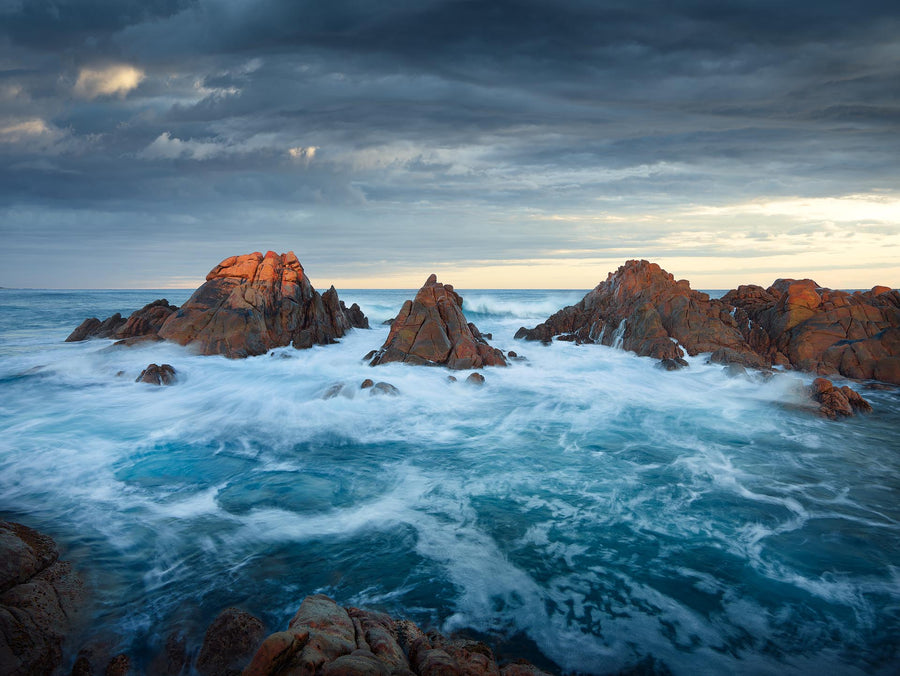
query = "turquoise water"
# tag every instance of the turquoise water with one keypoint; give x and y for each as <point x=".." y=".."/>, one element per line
<point x="583" y="509"/>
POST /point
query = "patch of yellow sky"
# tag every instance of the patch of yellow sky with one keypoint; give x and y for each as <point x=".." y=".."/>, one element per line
<point x="850" y="242"/>
<point x="847" y="242"/>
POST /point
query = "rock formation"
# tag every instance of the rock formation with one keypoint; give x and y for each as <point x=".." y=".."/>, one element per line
<point x="643" y="309"/>
<point x="155" y="374"/>
<point x="39" y="601"/>
<point x="230" y="643"/>
<point x="799" y="323"/>
<point x="432" y="330"/>
<point x="324" y="638"/>
<point x="144" y="322"/>
<point x="837" y="402"/>
<point x="253" y="303"/>
<point x="248" y="305"/>
<point x="793" y="323"/>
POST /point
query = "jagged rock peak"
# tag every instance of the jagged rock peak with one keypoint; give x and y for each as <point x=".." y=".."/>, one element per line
<point x="642" y="308"/>
<point x="252" y="303"/>
<point x="432" y="330"/>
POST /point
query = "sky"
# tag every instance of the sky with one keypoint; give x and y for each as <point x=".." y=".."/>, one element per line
<point x="500" y="144"/>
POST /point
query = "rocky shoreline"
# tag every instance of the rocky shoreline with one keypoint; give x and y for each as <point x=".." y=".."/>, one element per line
<point x="42" y="603"/>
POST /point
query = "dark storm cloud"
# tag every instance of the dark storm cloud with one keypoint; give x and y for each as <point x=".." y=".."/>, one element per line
<point x="364" y="123"/>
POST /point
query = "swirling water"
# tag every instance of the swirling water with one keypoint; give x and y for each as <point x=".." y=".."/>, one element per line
<point x="583" y="508"/>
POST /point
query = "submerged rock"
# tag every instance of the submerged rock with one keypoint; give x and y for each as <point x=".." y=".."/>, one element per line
<point x="40" y="598"/>
<point x="475" y="379"/>
<point x="250" y="304"/>
<point x="157" y="375"/>
<point x="836" y="402"/>
<point x="432" y="330"/>
<point x="144" y="322"/>
<point x="324" y="638"/>
<point x="641" y="308"/>
<point x="384" y="388"/>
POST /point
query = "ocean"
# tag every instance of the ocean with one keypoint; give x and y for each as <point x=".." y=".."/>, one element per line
<point x="583" y="509"/>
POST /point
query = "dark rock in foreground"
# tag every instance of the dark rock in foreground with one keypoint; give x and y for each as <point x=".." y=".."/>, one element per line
<point x="432" y="330"/>
<point x="643" y="309"/>
<point x="325" y="638"/>
<point x="253" y="303"/>
<point x="230" y="643"/>
<point x="144" y="322"/>
<point x="39" y="601"/>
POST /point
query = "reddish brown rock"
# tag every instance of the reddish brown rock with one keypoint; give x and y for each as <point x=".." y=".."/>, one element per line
<point x="324" y="638"/>
<point x="642" y="308"/>
<point x="432" y="330"/>
<point x="253" y="303"/>
<point x="144" y="322"/>
<point x="40" y="598"/>
<point x="230" y="642"/>
<point x="800" y="324"/>
<point x="157" y="375"/>
<point x="836" y="402"/>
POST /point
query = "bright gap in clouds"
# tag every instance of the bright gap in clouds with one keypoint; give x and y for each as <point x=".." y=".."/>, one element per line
<point x="107" y="81"/>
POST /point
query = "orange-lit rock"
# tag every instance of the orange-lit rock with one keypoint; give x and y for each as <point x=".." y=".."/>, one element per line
<point x="432" y="330"/>
<point x="324" y="638"/>
<point x="252" y="303"/>
<point x="837" y="402"/>
<point x="643" y="309"/>
<point x="854" y="334"/>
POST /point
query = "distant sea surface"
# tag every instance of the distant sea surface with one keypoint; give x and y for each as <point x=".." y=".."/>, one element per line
<point x="583" y="509"/>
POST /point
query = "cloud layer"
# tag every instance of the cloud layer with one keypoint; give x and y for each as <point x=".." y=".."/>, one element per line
<point x="514" y="143"/>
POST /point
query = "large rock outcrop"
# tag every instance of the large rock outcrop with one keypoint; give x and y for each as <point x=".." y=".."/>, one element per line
<point x="253" y="303"/>
<point x="144" y="322"/>
<point x="248" y="305"/>
<point x="39" y="601"/>
<point x="325" y="638"/>
<point x="432" y="330"/>
<point x="811" y="328"/>
<point x="643" y="309"/>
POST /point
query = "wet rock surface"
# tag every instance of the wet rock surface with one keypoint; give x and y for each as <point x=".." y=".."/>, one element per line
<point x="156" y="374"/>
<point x="40" y="598"/>
<point x="325" y="638"/>
<point x="230" y="642"/>
<point x="837" y="402"/>
<point x="432" y="330"/>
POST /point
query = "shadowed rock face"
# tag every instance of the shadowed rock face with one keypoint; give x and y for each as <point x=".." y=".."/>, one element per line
<point x="799" y="323"/>
<point x="643" y="309"/>
<point x="39" y="601"/>
<point x="432" y="330"/>
<point x="253" y="303"/>
<point x="144" y="322"/>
